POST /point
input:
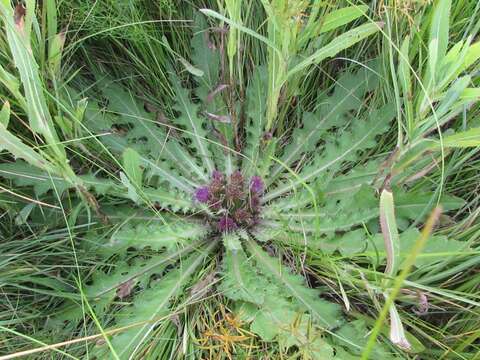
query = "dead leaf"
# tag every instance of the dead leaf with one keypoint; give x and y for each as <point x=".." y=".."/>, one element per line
<point x="125" y="288"/>
<point x="19" y="18"/>
<point x="214" y="92"/>
<point x="201" y="288"/>
<point x="220" y="118"/>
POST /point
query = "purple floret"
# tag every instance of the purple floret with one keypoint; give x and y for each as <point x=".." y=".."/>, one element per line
<point x="202" y="194"/>
<point x="256" y="184"/>
<point x="217" y="175"/>
<point x="226" y="224"/>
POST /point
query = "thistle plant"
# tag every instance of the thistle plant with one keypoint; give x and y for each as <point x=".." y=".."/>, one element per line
<point x="192" y="206"/>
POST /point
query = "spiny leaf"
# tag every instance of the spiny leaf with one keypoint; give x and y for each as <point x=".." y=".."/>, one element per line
<point x="361" y="136"/>
<point x="156" y="236"/>
<point x="437" y="248"/>
<point x="151" y="305"/>
<point x="24" y="175"/>
<point x="241" y="281"/>
<point x="323" y="311"/>
<point x="205" y="57"/>
<point x="333" y="111"/>
<point x="132" y="127"/>
<point x="194" y="126"/>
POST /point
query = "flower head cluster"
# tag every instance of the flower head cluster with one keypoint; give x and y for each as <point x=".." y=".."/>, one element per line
<point x="235" y="202"/>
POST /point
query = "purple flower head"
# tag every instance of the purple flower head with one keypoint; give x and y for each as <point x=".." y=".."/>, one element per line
<point x="217" y="175"/>
<point x="232" y="194"/>
<point x="235" y="188"/>
<point x="226" y="224"/>
<point x="202" y="194"/>
<point x="256" y="184"/>
<point x="242" y="217"/>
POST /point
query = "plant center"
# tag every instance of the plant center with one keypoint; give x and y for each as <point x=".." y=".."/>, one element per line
<point x="234" y="202"/>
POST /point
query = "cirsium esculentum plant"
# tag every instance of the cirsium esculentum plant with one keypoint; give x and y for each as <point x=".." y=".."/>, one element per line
<point x="212" y="186"/>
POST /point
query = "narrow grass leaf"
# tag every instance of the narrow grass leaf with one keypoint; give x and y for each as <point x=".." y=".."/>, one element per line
<point x="338" y="44"/>
<point x="340" y="17"/>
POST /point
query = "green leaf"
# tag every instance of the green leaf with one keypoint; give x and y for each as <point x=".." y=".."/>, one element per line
<point x="204" y="58"/>
<point x="255" y="122"/>
<point x="341" y="42"/>
<point x="39" y="116"/>
<point x="357" y="331"/>
<point x="153" y="305"/>
<point x="156" y="236"/>
<point x="326" y="313"/>
<point x="436" y="249"/>
<point x="19" y="150"/>
<point x="463" y="139"/>
<point x="345" y="147"/>
<point x="135" y="128"/>
<point x="439" y="30"/>
<point x="195" y="126"/>
<point x="132" y="166"/>
<point x="5" y="114"/>
<point x="333" y="112"/>
<point x="240" y="280"/>
<point x="339" y="17"/>
<point x="412" y="205"/>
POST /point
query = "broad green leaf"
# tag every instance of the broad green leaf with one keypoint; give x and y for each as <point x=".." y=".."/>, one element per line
<point x="338" y="44"/>
<point x="196" y="131"/>
<point x="415" y="203"/>
<point x="161" y="154"/>
<point x="323" y="311"/>
<point x="240" y="280"/>
<point x="19" y="150"/>
<point x="436" y="249"/>
<point x="5" y="114"/>
<point x="339" y="17"/>
<point x="356" y="331"/>
<point x="468" y="138"/>
<point x="152" y="306"/>
<point x="55" y="52"/>
<point x="332" y="112"/>
<point x="156" y="236"/>
<point x="132" y="165"/>
<point x="39" y="116"/>
<point x="345" y="147"/>
<point x="439" y="30"/>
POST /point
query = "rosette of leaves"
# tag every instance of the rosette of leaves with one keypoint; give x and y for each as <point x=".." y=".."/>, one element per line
<point x="315" y="186"/>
